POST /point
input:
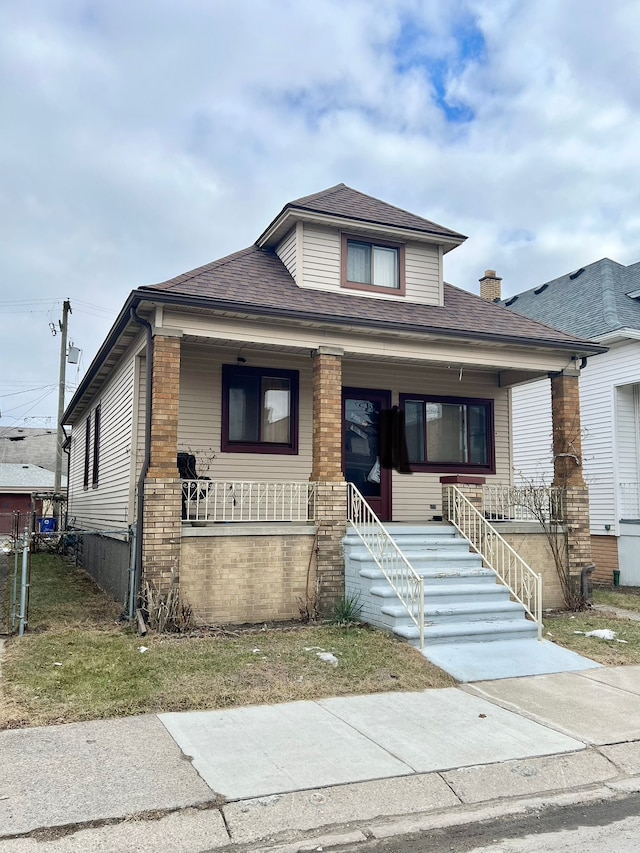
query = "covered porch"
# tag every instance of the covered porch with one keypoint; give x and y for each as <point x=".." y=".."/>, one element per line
<point x="281" y="500"/>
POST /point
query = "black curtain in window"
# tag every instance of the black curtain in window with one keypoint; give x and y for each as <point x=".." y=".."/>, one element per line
<point x="393" y="441"/>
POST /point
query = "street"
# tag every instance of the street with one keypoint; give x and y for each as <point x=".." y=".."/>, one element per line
<point x="609" y="826"/>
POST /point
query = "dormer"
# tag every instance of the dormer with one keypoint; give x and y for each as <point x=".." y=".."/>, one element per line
<point x="341" y="240"/>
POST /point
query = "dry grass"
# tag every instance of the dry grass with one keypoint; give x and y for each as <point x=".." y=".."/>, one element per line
<point x="78" y="662"/>
<point x="624" y="650"/>
<point x="627" y="598"/>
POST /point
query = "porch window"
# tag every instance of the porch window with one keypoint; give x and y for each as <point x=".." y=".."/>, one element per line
<point x="449" y="434"/>
<point x="259" y="410"/>
<point x="373" y="266"/>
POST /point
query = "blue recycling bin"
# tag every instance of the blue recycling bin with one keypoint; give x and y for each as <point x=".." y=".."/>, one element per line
<point x="47" y="525"/>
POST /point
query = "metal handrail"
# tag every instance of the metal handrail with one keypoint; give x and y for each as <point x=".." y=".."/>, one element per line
<point x="523" y="503"/>
<point x="406" y="582"/>
<point x="248" y="500"/>
<point x="525" y="584"/>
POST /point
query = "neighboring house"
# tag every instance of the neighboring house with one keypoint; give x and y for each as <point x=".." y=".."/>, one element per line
<point x="23" y="490"/>
<point x="599" y="302"/>
<point x="269" y="373"/>
<point x="34" y="445"/>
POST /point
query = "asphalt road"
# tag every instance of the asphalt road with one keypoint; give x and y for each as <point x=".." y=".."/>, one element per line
<point x="609" y="826"/>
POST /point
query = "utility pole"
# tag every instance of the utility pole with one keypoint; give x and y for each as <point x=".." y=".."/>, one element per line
<point x="66" y="310"/>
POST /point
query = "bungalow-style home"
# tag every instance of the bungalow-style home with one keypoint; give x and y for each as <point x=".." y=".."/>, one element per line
<point x="599" y="302"/>
<point x="239" y="416"/>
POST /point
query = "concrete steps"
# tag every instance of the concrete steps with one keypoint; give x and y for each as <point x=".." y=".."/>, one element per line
<point x="464" y="602"/>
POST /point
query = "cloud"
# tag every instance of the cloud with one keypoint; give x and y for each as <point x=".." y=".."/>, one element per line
<point x="144" y="139"/>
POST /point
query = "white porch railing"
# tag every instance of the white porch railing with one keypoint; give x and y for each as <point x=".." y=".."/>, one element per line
<point x="629" y="501"/>
<point x="523" y="503"/>
<point x="407" y="583"/>
<point x="498" y="555"/>
<point x="242" y="500"/>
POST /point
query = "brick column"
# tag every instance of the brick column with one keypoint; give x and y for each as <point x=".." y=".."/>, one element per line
<point x="567" y="468"/>
<point x="471" y="488"/>
<point x="162" y="524"/>
<point x="326" y="470"/>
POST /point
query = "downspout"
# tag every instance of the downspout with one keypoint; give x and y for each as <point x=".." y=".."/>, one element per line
<point x="137" y="564"/>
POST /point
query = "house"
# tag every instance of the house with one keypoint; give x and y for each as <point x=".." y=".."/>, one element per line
<point x="33" y="445"/>
<point x="600" y="302"/>
<point x="25" y="493"/>
<point x="232" y="409"/>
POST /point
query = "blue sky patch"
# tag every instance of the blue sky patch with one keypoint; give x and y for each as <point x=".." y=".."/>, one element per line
<point x="416" y="49"/>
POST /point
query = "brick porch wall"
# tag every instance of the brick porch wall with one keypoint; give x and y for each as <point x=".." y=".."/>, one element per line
<point x="567" y="468"/>
<point x="247" y="579"/>
<point x="163" y="488"/>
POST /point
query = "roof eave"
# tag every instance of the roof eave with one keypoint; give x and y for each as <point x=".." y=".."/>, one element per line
<point x="288" y="217"/>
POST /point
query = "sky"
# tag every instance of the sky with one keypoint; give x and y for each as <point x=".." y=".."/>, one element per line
<point x="142" y="138"/>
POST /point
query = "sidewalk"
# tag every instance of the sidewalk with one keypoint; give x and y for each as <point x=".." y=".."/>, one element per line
<point x="305" y="775"/>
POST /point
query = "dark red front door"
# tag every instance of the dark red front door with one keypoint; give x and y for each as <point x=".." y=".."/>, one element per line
<point x="361" y="409"/>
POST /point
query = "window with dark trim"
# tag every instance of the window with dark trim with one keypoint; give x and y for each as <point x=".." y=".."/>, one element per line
<point x="87" y="453"/>
<point x="372" y="265"/>
<point x="96" y="448"/>
<point x="259" y="410"/>
<point x="449" y="434"/>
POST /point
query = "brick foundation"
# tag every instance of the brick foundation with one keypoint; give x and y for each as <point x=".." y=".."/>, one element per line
<point x="248" y="578"/>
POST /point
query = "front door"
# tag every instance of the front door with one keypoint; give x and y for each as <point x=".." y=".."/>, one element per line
<point x="361" y="447"/>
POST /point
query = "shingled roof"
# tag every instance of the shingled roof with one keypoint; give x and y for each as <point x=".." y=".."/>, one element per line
<point x="255" y="281"/>
<point x="346" y="203"/>
<point x="588" y="302"/>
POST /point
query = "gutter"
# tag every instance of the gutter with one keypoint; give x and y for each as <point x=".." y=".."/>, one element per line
<point x="266" y="311"/>
<point x="136" y="575"/>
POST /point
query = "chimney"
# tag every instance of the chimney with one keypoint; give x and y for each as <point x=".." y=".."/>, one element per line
<point x="491" y="286"/>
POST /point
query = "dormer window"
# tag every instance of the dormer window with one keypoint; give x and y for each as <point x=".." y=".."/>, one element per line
<point x="372" y="265"/>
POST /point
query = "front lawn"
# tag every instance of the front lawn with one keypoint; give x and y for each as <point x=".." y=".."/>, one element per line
<point x="78" y="662"/>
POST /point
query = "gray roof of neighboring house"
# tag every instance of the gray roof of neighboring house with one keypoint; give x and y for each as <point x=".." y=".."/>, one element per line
<point x="588" y="302"/>
<point x="256" y="280"/>
<point x="15" y="477"/>
<point x="35" y="445"/>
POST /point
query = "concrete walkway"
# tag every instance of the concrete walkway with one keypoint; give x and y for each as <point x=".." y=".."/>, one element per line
<point x="305" y="775"/>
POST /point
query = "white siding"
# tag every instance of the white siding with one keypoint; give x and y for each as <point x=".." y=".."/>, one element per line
<point x="321" y="258"/>
<point x="422" y="264"/>
<point x="532" y="432"/>
<point x="626" y="432"/>
<point x="286" y="251"/>
<point x="604" y="466"/>
<point x="106" y="507"/>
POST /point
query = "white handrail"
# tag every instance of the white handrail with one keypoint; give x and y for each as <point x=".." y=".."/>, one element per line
<point x="248" y="500"/>
<point x="525" y="584"/>
<point x="523" y="503"/>
<point x="406" y="582"/>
